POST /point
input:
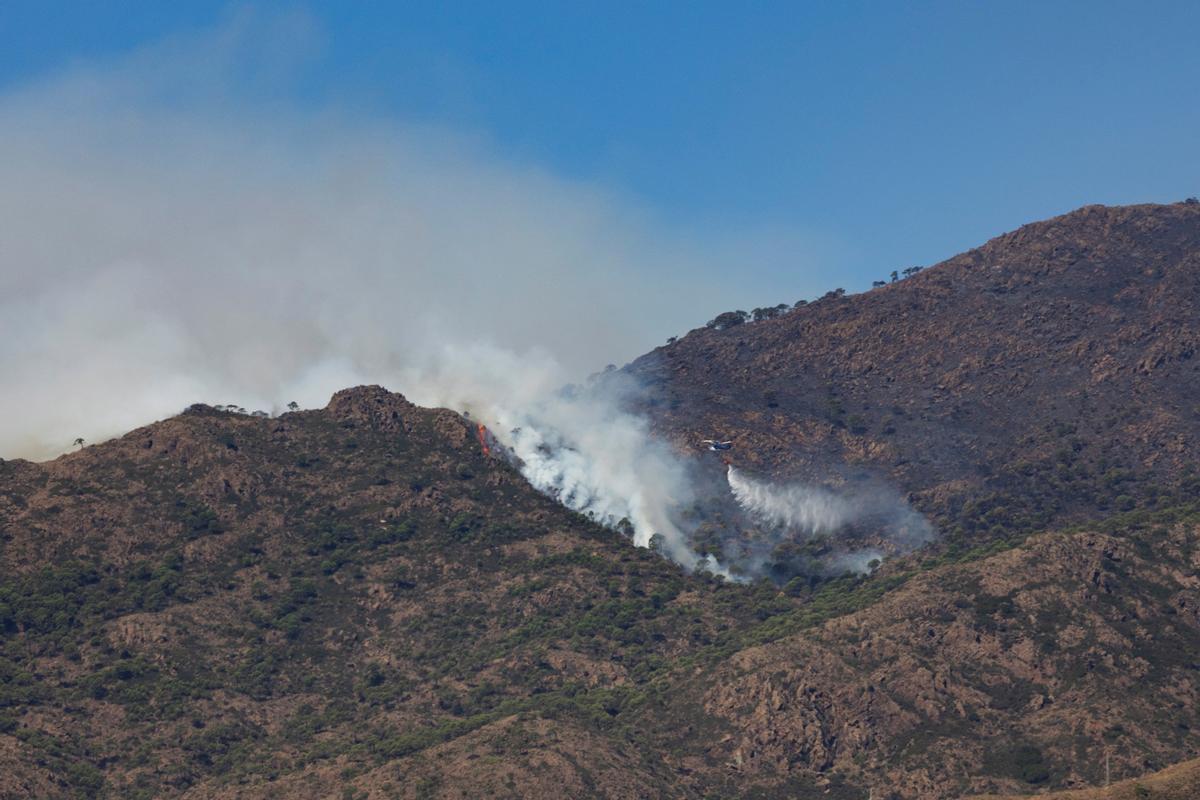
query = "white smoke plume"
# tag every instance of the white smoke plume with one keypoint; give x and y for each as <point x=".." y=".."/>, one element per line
<point x="167" y="239"/>
<point x="576" y="444"/>
<point x="165" y="243"/>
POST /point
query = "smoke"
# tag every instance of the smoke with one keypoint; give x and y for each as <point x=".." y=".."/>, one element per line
<point x="169" y="239"/>
<point x="576" y="443"/>
<point x="172" y="237"/>
<point x="856" y="561"/>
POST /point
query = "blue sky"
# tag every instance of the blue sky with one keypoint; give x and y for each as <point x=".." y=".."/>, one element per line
<point x="475" y="203"/>
<point x="890" y="133"/>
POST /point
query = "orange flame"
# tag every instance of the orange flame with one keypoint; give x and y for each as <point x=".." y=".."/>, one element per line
<point x="481" y="431"/>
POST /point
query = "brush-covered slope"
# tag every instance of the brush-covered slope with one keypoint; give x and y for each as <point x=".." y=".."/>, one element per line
<point x="218" y="605"/>
<point x="356" y="602"/>
<point x="1053" y="373"/>
<point x="1018" y="669"/>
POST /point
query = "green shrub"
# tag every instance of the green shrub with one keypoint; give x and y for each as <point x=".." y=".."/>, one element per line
<point x="1021" y="761"/>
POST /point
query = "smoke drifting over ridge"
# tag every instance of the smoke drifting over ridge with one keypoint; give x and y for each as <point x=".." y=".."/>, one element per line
<point x="575" y="443"/>
<point x="163" y="246"/>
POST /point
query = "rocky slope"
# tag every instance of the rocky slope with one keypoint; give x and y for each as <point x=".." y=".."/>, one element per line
<point x="359" y="602"/>
<point x="218" y="605"/>
<point x="1177" y="782"/>
<point x="1026" y="665"/>
<point x="1050" y="374"/>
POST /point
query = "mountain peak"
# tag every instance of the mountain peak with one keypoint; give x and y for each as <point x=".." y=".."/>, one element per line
<point x="373" y="405"/>
<point x="986" y="360"/>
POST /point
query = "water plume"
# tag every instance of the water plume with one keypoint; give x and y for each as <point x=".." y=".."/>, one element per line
<point x="807" y="509"/>
<point x="858" y="523"/>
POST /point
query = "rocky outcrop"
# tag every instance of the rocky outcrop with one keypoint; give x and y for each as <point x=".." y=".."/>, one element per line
<point x="371" y="405"/>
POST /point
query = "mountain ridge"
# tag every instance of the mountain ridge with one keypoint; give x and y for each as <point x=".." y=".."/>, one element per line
<point x="1076" y="333"/>
<point x="360" y="600"/>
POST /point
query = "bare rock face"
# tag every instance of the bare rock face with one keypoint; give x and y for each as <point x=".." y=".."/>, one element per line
<point x="1086" y="632"/>
<point x="808" y="711"/>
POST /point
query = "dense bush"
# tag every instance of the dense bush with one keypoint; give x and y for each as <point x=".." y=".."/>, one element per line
<point x="1023" y="762"/>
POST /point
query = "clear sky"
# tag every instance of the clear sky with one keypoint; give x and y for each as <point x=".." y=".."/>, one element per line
<point x="896" y="133"/>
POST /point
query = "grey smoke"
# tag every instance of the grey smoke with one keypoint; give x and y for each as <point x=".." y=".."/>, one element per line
<point x="855" y="561"/>
<point x="168" y="240"/>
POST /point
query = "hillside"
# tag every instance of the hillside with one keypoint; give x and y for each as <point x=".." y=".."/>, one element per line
<point x="218" y="604"/>
<point x="357" y="602"/>
<point x="1049" y="375"/>
<point x="361" y="601"/>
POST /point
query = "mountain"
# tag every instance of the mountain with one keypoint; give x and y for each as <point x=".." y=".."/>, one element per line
<point x="366" y="601"/>
<point x="220" y="605"/>
<point x="1050" y="375"/>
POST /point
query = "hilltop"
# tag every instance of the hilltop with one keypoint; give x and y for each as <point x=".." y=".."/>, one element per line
<point x="359" y="601"/>
<point x="218" y="605"/>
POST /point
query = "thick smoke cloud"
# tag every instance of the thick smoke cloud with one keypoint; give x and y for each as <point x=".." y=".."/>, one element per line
<point x="168" y="240"/>
<point x="576" y="443"/>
